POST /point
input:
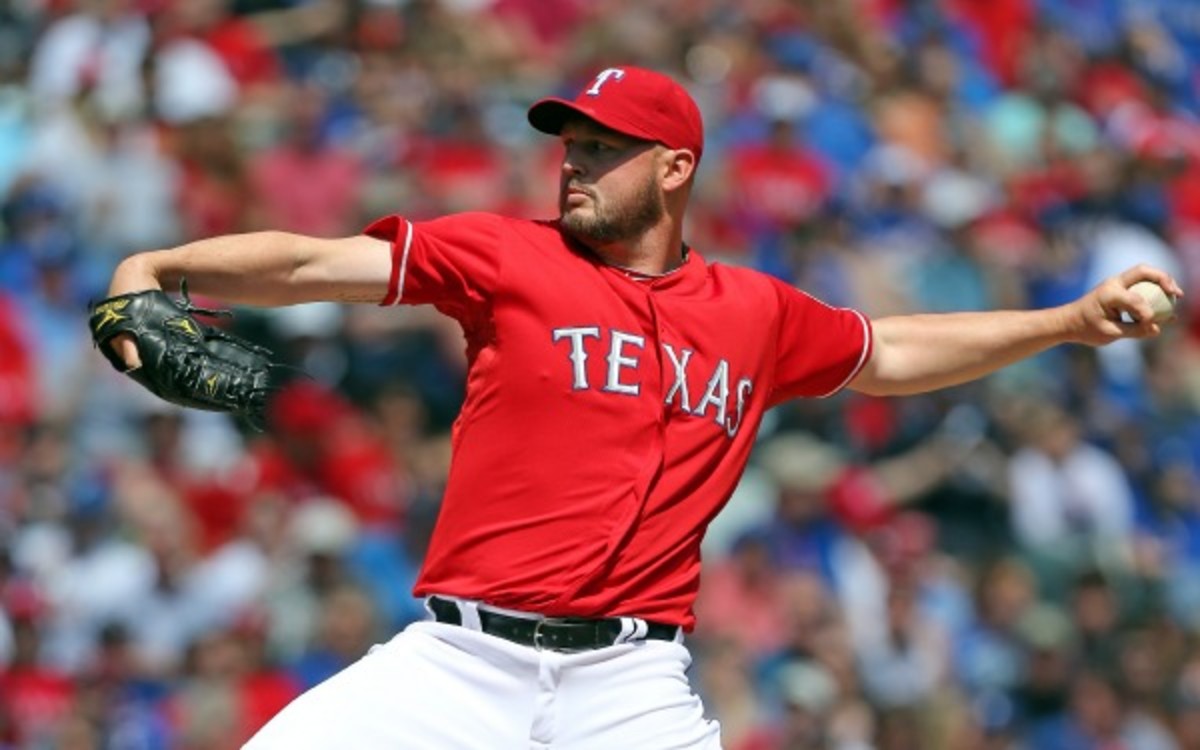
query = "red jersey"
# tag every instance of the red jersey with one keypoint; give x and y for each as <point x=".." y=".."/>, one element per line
<point x="608" y="416"/>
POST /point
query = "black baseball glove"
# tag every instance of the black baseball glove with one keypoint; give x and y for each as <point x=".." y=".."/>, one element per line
<point x="185" y="361"/>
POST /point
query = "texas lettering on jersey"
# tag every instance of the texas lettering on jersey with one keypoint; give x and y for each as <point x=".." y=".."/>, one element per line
<point x="624" y="350"/>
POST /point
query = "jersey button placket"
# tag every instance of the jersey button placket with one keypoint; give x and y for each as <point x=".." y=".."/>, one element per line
<point x="663" y="410"/>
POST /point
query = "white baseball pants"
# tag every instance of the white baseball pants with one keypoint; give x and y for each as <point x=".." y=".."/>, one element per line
<point x="444" y="687"/>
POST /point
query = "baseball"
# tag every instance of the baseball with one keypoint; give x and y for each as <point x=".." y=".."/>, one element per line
<point x="1161" y="303"/>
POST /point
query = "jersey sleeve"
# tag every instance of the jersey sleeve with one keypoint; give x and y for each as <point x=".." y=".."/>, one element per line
<point x="820" y="348"/>
<point x="452" y="262"/>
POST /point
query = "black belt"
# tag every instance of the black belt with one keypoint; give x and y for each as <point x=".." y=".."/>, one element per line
<point x="550" y="633"/>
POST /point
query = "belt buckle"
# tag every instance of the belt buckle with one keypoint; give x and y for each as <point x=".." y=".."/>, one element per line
<point x="538" y="635"/>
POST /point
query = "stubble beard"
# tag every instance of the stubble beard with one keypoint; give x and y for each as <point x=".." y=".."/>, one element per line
<point x="622" y="222"/>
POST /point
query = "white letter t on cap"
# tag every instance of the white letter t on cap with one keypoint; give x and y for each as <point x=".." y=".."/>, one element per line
<point x="603" y="78"/>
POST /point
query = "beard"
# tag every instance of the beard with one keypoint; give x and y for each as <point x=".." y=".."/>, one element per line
<point x="619" y="222"/>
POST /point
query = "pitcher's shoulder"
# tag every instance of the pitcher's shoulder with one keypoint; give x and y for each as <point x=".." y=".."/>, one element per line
<point x="742" y="276"/>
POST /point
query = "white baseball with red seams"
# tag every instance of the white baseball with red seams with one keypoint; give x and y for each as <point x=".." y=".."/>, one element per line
<point x="608" y="417"/>
<point x="1161" y="303"/>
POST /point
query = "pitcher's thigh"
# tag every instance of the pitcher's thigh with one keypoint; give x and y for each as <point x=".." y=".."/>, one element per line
<point x="647" y="703"/>
<point x="411" y="693"/>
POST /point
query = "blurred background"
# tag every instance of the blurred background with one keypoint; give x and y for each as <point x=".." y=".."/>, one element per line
<point x="1009" y="564"/>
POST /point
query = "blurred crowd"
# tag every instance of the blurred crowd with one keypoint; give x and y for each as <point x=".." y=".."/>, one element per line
<point x="1011" y="564"/>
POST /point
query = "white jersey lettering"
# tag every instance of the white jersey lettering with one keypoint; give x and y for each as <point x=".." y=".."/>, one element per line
<point x="679" y="362"/>
<point x="716" y="393"/>
<point x="616" y="361"/>
<point x="578" y="356"/>
<point x="744" y="387"/>
<point x="623" y="362"/>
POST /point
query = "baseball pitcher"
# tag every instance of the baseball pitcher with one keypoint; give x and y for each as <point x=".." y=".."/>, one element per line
<point x="616" y="383"/>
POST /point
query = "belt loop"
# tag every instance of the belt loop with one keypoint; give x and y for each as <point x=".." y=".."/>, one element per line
<point x="470" y="614"/>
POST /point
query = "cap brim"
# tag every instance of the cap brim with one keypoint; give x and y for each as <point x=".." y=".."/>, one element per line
<point x="548" y="115"/>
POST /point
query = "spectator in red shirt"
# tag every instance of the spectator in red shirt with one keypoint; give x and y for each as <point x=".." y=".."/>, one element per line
<point x="214" y="194"/>
<point x="17" y="381"/>
<point x="323" y="446"/>
<point x="463" y="169"/>
<point x="238" y="41"/>
<point x="306" y="184"/>
<point x="780" y="183"/>
<point x="35" y="696"/>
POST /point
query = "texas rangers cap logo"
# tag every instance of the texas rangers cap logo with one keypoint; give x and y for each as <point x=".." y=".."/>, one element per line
<point x="603" y="78"/>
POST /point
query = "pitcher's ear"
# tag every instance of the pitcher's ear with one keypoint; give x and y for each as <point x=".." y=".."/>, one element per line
<point x="680" y="165"/>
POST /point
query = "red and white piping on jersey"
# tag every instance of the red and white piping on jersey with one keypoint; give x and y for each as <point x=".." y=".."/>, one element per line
<point x="868" y="343"/>
<point x="396" y="283"/>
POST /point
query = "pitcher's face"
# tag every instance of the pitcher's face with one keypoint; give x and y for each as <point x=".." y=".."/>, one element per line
<point x="609" y="188"/>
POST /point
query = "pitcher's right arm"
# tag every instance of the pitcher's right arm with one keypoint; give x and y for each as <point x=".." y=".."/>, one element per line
<point x="263" y="269"/>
